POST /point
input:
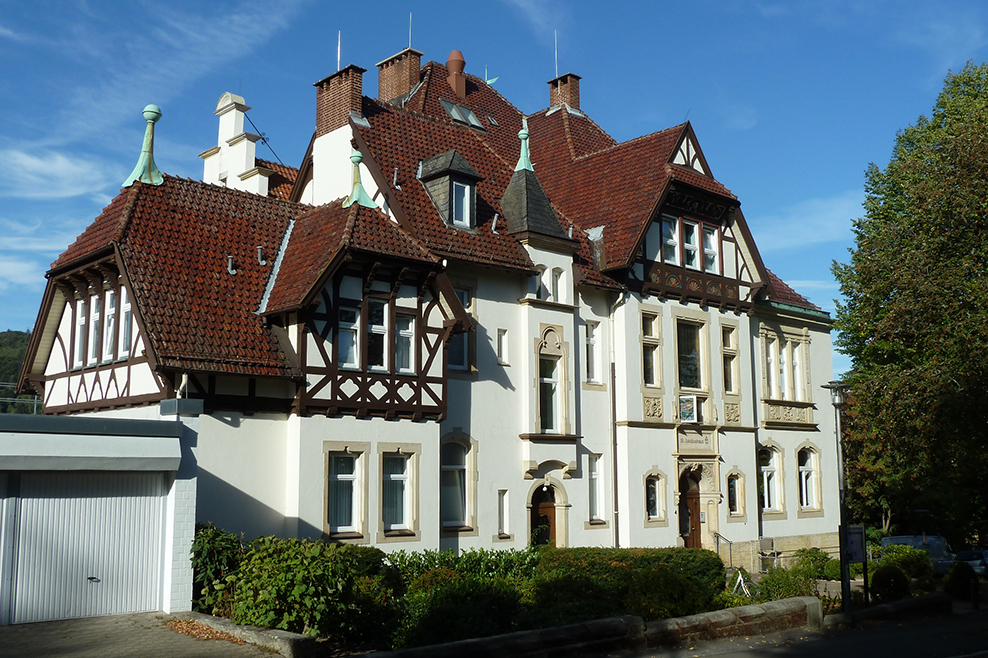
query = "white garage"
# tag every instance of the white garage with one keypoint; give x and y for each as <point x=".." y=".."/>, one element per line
<point x="97" y="518"/>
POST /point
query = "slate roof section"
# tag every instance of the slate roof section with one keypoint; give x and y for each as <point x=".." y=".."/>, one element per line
<point x="446" y="163"/>
<point x="527" y="208"/>
<point x="324" y="233"/>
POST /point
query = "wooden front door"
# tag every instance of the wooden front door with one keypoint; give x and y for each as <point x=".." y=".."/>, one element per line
<point x="689" y="512"/>
<point x="544" y="517"/>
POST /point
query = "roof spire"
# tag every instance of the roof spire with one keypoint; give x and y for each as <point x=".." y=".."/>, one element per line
<point x="358" y="195"/>
<point x="145" y="170"/>
<point x="524" y="161"/>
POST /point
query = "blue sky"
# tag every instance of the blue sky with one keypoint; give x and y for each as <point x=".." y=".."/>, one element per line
<point x="790" y="100"/>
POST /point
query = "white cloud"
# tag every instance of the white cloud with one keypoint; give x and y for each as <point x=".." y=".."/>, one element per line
<point x="543" y="16"/>
<point x="951" y="37"/>
<point x="48" y="174"/>
<point x="15" y="272"/>
<point x="809" y="222"/>
<point x="7" y="33"/>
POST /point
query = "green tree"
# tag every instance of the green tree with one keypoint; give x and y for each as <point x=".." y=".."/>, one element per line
<point x="915" y="323"/>
<point x="13" y="347"/>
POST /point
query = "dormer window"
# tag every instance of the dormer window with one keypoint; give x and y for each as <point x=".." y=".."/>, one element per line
<point x="691" y="244"/>
<point x="461" y="215"/>
<point x="451" y="184"/>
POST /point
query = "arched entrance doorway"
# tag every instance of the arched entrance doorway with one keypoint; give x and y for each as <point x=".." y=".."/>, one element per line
<point x="689" y="510"/>
<point x="544" y="516"/>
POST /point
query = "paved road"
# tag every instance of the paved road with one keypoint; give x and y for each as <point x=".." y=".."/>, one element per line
<point x="142" y="635"/>
<point x="963" y="634"/>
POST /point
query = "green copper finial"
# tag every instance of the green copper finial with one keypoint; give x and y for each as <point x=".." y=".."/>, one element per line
<point x="358" y="195"/>
<point x="524" y="162"/>
<point x="145" y="170"/>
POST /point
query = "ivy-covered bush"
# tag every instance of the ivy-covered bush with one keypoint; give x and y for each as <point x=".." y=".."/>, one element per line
<point x="958" y="580"/>
<point x="296" y="585"/>
<point x="216" y="554"/>
<point x="457" y="609"/>
<point x="889" y="583"/>
<point x="780" y="583"/>
<point x="812" y="562"/>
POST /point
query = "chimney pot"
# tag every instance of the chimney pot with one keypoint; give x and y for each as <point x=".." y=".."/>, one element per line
<point x="336" y="97"/>
<point x="398" y="74"/>
<point x="565" y="89"/>
<point x="457" y="80"/>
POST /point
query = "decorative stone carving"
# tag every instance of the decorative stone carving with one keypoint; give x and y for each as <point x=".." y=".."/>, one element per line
<point x="652" y="408"/>
<point x="784" y="413"/>
<point x="732" y="413"/>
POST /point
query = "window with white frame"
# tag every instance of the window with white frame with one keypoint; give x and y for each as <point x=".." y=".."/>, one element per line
<point x="655" y="503"/>
<point x="395" y="501"/>
<point x="453" y="484"/>
<point x="768" y="481"/>
<point x="81" y="315"/>
<point x="808" y="478"/>
<point x="735" y="495"/>
<point x="343" y="493"/>
<point x="691" y="244"/>
<point x="502" y="513"/>
<point x="348" y="338"/>
<point x="95" y="314"/>
<point x="111" y="314"/>
<point x="785" y="375"/>
<point x="125" y="322"/>
<point x="377" y="335"/>
<point x="593" y="374"/>
<point x="458" y="356"/>
<point x="405" y="343"/>
<point x="549" y="394"/>
<point x="689" y="354"/>
<point x="461" y="208"/>
<point x="595" y="484"/>
<point x="501" y="346"/>
<point x="650" y="348"/>
<point x="729" y="351"/>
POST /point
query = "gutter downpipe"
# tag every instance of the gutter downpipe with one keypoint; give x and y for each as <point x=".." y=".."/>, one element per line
<point x="614" y="433"/>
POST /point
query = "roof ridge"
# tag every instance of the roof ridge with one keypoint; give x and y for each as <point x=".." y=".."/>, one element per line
<point x="633" y="140"/>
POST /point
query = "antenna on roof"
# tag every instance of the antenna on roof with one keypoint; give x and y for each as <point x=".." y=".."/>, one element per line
<point x="339" y="42"/>
<point x="687" y="115"/>
<point x="555" y="48"/>
<point x="264" y="137"/>
<point x="409" y="29"/>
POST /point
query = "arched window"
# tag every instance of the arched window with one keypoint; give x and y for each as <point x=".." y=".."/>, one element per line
<point x="767" y="484"/>
<point x="453" y="484"/>
<point x="808" y="478"/>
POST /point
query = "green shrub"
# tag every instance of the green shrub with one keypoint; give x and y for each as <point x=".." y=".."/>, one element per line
<point x="432" y="580"/>
<point x="889" y="583"/>
<point x="957" y="581"/>
<point x="301" y="586"/>
<point x="831" y="571"/>
<point x="661" y="593"/>
<point x="914" y="562"/>
<point x="704" y="568"/>
<point x="456" y="610"/>
<point x="727" y="599"/>
<point x="810" y="562"/>
<point x="215" y="555"/>
<point x="781" y="583"/>
<point x="559" y="599"/>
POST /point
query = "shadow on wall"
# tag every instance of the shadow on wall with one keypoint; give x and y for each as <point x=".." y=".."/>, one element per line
<point x="232" y="510"/>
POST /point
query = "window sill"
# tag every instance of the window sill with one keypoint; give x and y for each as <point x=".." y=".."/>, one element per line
<point x="503" y="537"/>
<point x="345" y="537"/>
<point x="737" y="518"/>
<point x="553" y="438"/>
<point x="809" y="513"/>
<point x="596" y="524"/>
<point x="656" y="523"/>
<point x="774" y="515"/>
<point x="545" y="303"/>
<point x="458" y="530"/>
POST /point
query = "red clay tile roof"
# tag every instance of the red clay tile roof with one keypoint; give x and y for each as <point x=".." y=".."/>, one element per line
<point x="616" y="186"/>
<point x="322" y="233"/>
<point x="779" y="291"/>
<point x="281" y="182"/>
<point x="174" y="240"/>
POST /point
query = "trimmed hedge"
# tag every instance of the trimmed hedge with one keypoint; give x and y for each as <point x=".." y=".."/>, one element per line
<point x="890" y="584"/>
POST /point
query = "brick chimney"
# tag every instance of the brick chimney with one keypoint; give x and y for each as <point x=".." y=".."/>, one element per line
<point x="457" y="80"/>
<point x="337" y="96"/>
<point x="565" y="89"/>
<point x="398" y="74"/>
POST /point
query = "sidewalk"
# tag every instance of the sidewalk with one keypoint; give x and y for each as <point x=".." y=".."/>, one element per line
<point x="141" y="635"/>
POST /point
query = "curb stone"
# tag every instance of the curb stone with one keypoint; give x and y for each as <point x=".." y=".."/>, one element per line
<point x="290" y="645"/>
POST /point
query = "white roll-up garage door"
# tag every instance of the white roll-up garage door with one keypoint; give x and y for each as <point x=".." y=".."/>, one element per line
<point x="86" y="543"/>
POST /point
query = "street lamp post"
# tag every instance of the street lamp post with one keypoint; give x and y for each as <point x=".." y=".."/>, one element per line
<point x="837" y="390"/>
